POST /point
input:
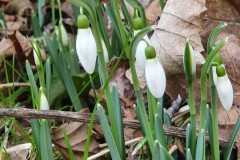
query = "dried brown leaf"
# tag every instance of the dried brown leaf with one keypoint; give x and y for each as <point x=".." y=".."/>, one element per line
<point x="21" y="10"/>
<point x="77" y="135"/>
<point x="178" y="22"/>
<point x="152" y="12"/>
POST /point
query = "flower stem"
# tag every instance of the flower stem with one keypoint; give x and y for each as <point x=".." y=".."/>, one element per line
<point x="204" y="73"/>
<point x="142" y="110"/>
<point x="192" y="118"/>
<point x="216" y="153"/>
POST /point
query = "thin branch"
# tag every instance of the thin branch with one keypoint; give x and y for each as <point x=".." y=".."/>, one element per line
<point x="15" y="84"/>
<point x="85" y="118"/>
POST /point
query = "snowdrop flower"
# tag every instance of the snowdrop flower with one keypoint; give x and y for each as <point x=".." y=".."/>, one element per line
<point x="189" y="63"/>
<point x="155" y="75"/>
<point x="223" y="86"/>
<point x="140" y="49"/>
<point x="43" y="100"/>
<point x="63" y="34"/>
<point x="86" y="44"/>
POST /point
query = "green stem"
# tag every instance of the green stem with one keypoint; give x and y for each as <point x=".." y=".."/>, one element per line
<point x="152" y="105"/>
<point x="53" y="12"/>
<point x="142" y="110"/>
<point x="216" y="152"/>
<point x="60" y="11"/>
<point x="205" y="70"/>
<point x="192" y="119"/>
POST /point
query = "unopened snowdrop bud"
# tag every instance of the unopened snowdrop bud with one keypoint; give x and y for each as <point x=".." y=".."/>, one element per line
<point x="36" y="54"/>
<point x="63" y="34"/>
<point x="86" y="44"/>
<point x="223" y="86"/>
<point x="189" y="63"/>
<point x="155" y="75"/>
<point x="43" y="100"/>
<point x="105" y="52"/>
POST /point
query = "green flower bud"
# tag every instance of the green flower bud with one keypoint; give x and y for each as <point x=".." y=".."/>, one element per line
<point x="150" y="52"/>
<point x="189" y="63"/>
<point x="138" y="23"/>
<point x="82" y="21"/>
<point x="220" y="71"/>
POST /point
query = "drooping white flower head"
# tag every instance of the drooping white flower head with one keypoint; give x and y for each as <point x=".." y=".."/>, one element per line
<point x="155" y="75"/>
<point x="43" y="100"/>
<point x="86" y="45"/>
<point x="223" y="86"/>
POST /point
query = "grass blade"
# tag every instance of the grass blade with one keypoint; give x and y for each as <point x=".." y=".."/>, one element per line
<point x="69" y="147"/>
<point x="156" y="151"/>
<point x="139" y="145"/>
<point x="45" y="141"/>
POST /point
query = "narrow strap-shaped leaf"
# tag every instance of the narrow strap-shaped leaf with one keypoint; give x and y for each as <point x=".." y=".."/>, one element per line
<point x="232" y="139"/>
<point x="45" y="141"/>
<point x="200" y="151"/>
<point x="69" y="147"/>
<point x="48" y="79"/>
<point x="160" y="135"/>
<point x="68" y="82"/>
<point x="108" y="134"/>
<point x="188" y="156"/>
<point x="119" y="121"/>
<point x="156" y="151"/>
<point x="139" y="145"/>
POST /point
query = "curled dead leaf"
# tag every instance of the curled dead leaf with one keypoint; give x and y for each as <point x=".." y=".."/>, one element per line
<point x="21" y="9"/>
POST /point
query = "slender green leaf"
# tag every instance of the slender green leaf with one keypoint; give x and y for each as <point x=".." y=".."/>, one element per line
<point x="107" y="133"/>
<point x="35" y="26"/>
<point x="32" y="81"/>
<point x="200" y="151"/>
<point x="189" y="155"/>
<point x="163" y="151"/>
<point x="48" y="79"/>
<point x="69" y="147"/>
<point x="68" y="82"/>
<point x="35" y="125"/>
<point x="119" y="120"/>
<point x="213" y="36"/>
<point x="228" y="152"/>
<point x="41" y="18"/>
<point x="188" y="136"/>
<point x="156" y="152"/>
<point x="160" y="135"/>
<point x="45" y="141"/>
<point x="139" y="145"/>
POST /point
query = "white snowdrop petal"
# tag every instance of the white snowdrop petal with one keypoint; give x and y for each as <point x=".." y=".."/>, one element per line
<point x="140" y="53"/>
<point x="225" y="92"/>
<point x="86" y="49"/>
<point x="155" y="77"/>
